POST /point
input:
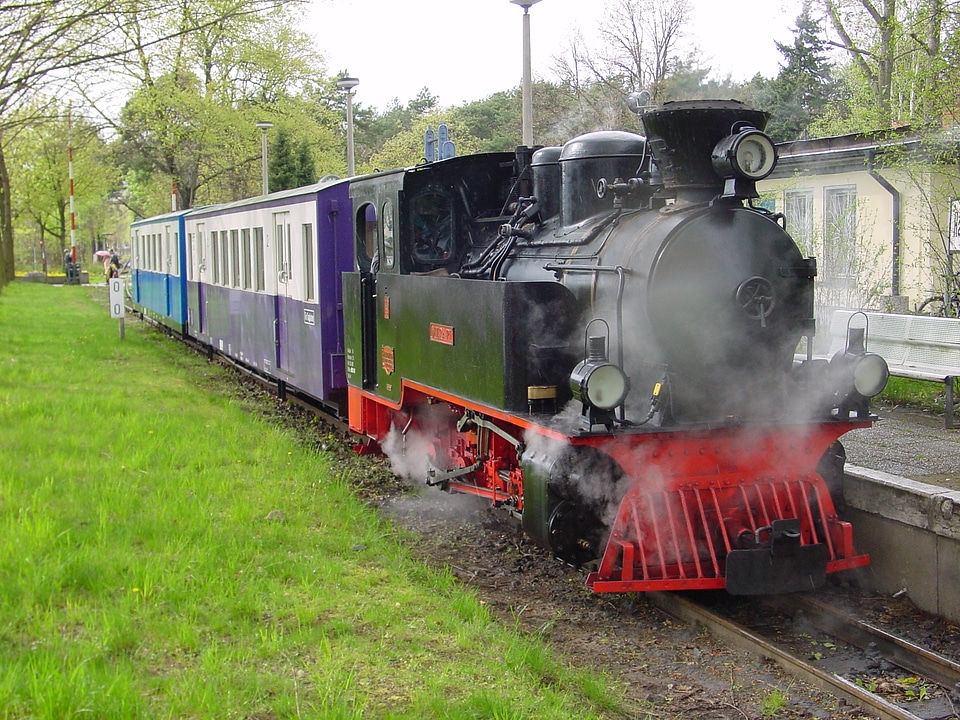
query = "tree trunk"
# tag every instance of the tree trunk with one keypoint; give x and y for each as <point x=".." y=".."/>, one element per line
<point x="6" y="224"/>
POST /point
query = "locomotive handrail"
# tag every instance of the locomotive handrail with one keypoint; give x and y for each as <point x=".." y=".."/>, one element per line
<point x="621" y="273"/>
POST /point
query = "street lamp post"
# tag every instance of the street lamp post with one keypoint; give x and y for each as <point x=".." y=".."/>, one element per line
<point x="264" y="126"/>
<point x="347" y="84"/>
<point x="527" y="80"/>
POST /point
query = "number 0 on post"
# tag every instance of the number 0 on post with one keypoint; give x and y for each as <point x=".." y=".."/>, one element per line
<point x="117" y="308"/>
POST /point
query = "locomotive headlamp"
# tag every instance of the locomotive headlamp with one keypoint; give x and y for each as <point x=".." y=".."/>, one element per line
<point x="870" y="375"/>
<point x="859" y="375"/>
<point x="599" y="385"/>
<point x="745" y="155"/>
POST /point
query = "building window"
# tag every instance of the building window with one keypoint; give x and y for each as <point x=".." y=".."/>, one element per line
<point x="798" y="210"/>
<point x="953" y="237"/>
<point x="840" y="233"/>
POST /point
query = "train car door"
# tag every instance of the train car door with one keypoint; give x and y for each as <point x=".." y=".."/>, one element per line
<point x="167" y="270"/>
<point x="283" y="245"/>
<point x="203" y="241"/>
<point x="368" y="260"/>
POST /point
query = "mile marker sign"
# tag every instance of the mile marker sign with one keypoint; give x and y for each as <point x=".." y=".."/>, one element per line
<point x="117" y="307"/>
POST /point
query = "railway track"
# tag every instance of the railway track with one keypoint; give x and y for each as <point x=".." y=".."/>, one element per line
<point x="929" y="683"/>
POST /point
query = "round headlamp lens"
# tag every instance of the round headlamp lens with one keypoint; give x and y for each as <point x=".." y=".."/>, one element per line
<point x="755" y="155"/>
<point x="606" y="387"/>
<point x="871" y="375"/>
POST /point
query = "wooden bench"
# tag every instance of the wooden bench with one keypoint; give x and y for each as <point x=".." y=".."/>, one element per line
<point x="920" y="347"/>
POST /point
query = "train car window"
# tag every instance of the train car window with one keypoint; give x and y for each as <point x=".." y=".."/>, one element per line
<point x="309" y="269"/>
<point x="431" y="216"/>
<point x="224" y="258"/>
<point x="389" y="238"/>
<point x="259" y="270"/>
<point x="235" y="258"/>
<point x="366" y="235"/>
<point x="215" y="257"/>
<point x="282" y="237"/>
<point x="245" y="255"/>
<point x="175" y="254"/>
<point x="202" y="253"/>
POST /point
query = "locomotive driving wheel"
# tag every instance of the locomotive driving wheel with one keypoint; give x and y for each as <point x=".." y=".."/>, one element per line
<point x="575" y="532"/>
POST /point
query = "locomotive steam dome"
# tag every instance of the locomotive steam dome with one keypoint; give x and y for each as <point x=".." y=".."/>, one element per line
<point x="606" y="154"/>
<point x="545" y="166"/>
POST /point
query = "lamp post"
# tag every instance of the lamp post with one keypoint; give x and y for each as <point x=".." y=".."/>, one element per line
<point x="527" y="81"/>
<point x="264" y="126"/>
<point x="347" y="84"/>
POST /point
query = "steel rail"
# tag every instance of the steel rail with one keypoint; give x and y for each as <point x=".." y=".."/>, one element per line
<point x="901" y="652"/>
<point x="746" y="640"/>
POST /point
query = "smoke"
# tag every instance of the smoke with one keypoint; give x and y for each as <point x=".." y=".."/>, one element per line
<point x="410" y="453"/>
<point x="420" y="444"/>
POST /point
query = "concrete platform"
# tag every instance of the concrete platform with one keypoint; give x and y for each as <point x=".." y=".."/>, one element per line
<point x="902" y="493"/>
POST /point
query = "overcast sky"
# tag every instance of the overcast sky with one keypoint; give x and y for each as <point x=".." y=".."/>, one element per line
<point x="397" y="47"/>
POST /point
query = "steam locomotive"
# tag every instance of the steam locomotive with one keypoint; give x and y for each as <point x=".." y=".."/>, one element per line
<point x="599" y="338"/>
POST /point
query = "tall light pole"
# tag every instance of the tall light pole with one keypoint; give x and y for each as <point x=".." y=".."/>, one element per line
<point x="527" y="81"/>
<point x="264" y="126"/>
<point x="347" y="84"/>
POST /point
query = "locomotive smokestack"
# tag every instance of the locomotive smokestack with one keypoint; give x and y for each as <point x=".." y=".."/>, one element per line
<point x="682" y="137"/>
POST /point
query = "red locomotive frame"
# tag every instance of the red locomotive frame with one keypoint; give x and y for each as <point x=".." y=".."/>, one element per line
<point x="692" y="496"/>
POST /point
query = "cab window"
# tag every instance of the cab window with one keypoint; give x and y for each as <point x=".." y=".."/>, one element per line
<point x="389" y="236"/>
<point x="431" y="231"/>
<point x="366" y="236"/>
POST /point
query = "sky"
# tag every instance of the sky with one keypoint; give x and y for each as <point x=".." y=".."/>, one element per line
<point x="396" y="48"/>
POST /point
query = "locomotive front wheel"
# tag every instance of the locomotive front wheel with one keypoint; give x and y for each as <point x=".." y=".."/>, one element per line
<point x="575" y="532"/>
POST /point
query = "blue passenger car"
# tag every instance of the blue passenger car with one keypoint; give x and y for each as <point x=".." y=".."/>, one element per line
<point x="263" y="284"/>
<point x="158" y="285"/>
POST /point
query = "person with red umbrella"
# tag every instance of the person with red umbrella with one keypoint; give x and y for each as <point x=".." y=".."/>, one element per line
<point x="111" y="263"/>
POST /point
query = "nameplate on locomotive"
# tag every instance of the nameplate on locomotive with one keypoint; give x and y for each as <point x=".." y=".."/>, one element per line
<point x="386" y="359"/>
<point x="441" y="334"/>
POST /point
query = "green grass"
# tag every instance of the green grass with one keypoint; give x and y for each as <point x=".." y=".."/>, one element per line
<point x="922" y="394"/>
<point x="140" y="575"/>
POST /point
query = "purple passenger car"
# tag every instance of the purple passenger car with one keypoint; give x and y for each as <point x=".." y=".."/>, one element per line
<point x="263" y="284"/>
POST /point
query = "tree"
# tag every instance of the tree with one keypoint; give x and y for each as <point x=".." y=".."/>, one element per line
<point x="37" y="159"/>
<point x="191" y="118"/>
<point x="44" y="44"/>
<point x="869" y="33"/>
<point x="290" y="166"/>
<point x="406" y="147"/>
<point x="804" y="86"/>
<point x="39" y="42"/>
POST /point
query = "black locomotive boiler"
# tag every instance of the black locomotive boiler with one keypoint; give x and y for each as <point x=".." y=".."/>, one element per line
<point x="601" y="338"/>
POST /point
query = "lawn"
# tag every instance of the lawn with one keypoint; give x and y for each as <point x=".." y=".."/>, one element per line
<point x="168" y="551"/>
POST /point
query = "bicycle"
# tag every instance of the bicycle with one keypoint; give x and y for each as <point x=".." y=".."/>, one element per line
<point x="935" y="305"/>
